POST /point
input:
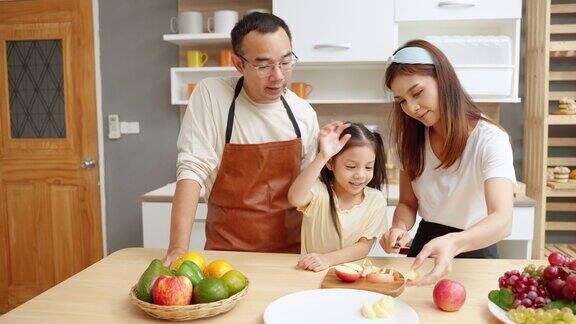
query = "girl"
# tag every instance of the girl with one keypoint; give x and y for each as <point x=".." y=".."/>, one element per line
<point x="339" y="195"/>
<point x="457" y="165"/>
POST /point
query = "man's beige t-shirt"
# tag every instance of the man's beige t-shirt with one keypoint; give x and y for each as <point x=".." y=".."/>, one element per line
<point x="203" y="130"/>
<point x="367" y="219"/>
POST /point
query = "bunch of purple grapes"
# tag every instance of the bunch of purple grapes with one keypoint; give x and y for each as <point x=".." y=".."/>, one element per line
<point x="528" y="291"/>
<point x="560" y="277"/>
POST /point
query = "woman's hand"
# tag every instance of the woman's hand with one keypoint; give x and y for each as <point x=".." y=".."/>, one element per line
<point x="394" y="239"/>
<point x="329" y="137"/>
<point x="442" y="249"/>
<point x="314" y="262"/>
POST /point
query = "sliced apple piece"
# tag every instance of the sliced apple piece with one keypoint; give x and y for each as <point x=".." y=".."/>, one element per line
<point x="370" y="269"/>
<point x="411" y="275"/>
<point x="354" y="266"/>
<point x="368" y="311"/>
<point x="380" y="277"/>
<point x="346" y="273"/>
<point x="387" y="303"/>
<point x="381" y="309"/>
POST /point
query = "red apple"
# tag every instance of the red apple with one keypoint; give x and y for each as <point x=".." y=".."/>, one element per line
<point x="346" y="273"/>
<point x="449" y="295"/>
<point x="169" y="290"/>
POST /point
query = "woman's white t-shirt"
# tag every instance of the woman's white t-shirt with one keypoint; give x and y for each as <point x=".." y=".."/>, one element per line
<point x="455" y="196"/>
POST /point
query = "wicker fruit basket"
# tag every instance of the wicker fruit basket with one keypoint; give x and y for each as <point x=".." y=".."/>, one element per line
<point x="189" y="312"/>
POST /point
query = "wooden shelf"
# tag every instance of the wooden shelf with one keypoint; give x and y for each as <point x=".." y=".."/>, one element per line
<point x="347" y="101"/>
<point x="562" y="141"/>
<point x="560" y="206"/>
<point x="197" y="39"/>
<point x="561" y="119"/>
<point x="563" y="161"/>
<point x="560" y="226"/>
<point x="569" y="249"/>
<point x="557" y="95"/>
<point x="562" y="76"/>
<point x="560" y="49"/>
<point x="562" y="46"/>
<point x="563" y="8"/>
<point x="203" y="69"/>
<point x="560" y="192"/>
<point x="563" y="29"/>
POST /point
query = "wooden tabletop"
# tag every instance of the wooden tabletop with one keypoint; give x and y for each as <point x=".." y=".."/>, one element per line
<point x="99" y="294"/>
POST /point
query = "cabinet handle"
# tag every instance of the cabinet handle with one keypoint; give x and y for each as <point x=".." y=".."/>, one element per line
<point x="343" y="46"/>
<point x="457" y="4"/>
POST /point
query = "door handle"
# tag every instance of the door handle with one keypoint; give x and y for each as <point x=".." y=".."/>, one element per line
<point x="87" y="163"/>
<point x="457" y="4"/>
<point x="343" y="46"/>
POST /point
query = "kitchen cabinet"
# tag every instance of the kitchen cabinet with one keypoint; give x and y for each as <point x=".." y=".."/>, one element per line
<point x="419" y="10"/>
<point x="343" y="47"/>
<point x="157" y="206"/>
<point x="339" y="31"/>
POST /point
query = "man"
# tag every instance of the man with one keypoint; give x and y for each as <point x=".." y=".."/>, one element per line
<point x="244" y="141"/>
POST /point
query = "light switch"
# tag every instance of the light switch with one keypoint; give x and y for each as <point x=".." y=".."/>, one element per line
<point x="113" y="127"/>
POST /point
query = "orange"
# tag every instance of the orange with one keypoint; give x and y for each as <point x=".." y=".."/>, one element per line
<point x="217" y="269"/>
<point x="190" y="256"/>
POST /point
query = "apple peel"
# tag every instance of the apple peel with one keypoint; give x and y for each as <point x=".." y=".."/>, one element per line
<point x="346" y="273"/>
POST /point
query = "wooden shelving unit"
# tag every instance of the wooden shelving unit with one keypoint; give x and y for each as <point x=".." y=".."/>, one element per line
<point x="545" y="42"/>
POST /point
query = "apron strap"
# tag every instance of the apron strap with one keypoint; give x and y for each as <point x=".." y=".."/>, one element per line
<point x="230" y="122"/>
<point x="291" y="116"/>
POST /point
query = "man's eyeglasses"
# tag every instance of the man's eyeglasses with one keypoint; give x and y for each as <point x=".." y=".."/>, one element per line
<point x="264" y="71"/>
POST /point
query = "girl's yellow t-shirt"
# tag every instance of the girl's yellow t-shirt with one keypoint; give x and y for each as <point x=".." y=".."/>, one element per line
<point x="367" y="219"/>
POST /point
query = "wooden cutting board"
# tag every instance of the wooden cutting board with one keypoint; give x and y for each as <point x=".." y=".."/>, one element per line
<point x="393" y="289"/>
<point x="562" y="185"/>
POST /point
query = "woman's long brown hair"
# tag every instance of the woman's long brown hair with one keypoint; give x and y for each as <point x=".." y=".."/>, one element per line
<point x="360" y="136"/>
<point x="457" y="110"/>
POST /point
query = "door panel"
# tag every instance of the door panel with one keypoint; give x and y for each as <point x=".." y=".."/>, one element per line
<point x="50" y="226"/>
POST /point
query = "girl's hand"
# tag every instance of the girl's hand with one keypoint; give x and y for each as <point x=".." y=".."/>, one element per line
<point x="314" y="262"/>
<point x="443" y="249"/>
<point x="329" y="137"/>
<point x="394" y="239"/>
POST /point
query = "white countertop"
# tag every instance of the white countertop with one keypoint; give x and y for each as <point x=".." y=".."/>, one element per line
<point x="166" y="193"/>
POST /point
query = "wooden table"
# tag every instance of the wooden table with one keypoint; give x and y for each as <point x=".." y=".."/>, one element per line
<point x="99" y="294"/>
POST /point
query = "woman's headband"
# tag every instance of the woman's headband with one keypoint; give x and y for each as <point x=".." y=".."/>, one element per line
<point x="412" y="55"/>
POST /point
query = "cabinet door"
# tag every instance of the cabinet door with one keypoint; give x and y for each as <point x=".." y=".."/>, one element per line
<point x="339" y="31"/>
<point x="413" y="10"/>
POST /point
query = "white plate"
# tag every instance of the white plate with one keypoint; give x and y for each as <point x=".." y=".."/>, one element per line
<point x="333" y="305"/>
<point x="499" y="313"/>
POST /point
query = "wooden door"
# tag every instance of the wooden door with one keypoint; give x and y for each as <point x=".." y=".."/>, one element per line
<point x="50" y="226"/>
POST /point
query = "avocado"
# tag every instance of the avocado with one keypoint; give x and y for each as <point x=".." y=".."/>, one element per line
<point x="154" y="270"/>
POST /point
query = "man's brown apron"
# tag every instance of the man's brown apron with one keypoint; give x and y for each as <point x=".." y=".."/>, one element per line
<point x="248" y="207"/>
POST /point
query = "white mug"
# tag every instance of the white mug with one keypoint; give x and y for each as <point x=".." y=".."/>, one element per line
<point x="189" y="22"/>
<point x="223" y="21"/>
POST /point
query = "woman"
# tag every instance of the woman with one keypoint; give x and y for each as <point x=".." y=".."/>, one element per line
<point x="457" y="166"/>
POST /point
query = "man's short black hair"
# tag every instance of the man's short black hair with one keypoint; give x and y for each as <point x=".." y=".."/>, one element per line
<point x="260" y="22"/>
